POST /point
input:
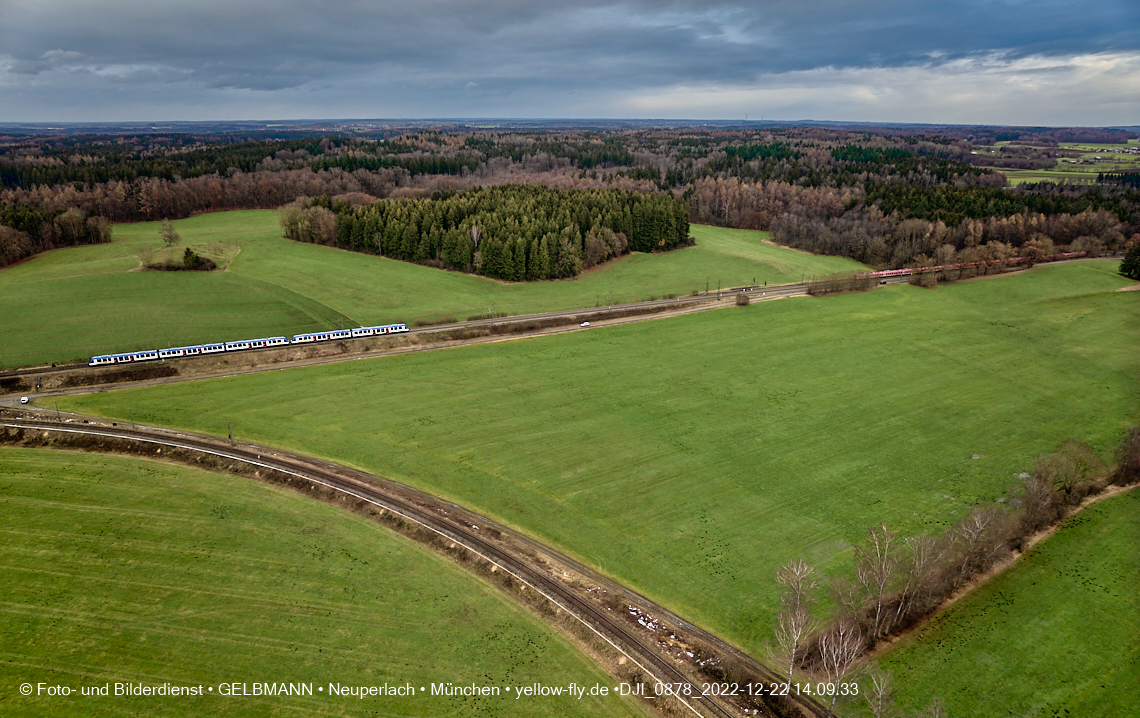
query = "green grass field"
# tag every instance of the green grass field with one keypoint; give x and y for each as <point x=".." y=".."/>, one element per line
<point x="689" y="457"/>
<point x="128" y="570"/>
<point x="222" y="253"/>
<point x="1056" y="635"/>
<point x="1100" y="158"/>
<point x="73" y="303"/>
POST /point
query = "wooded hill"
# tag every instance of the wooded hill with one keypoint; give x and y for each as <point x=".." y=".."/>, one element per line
<point x="511" y="232"/>
<point x="862" y="194"/>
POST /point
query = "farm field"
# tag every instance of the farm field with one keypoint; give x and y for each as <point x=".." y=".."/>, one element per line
<point x="689" y="457"/>
<point x="129" y="570"/>
<point x="1056" y="634"/>
<point x="1092" y="159"/>
<point x="73" y="303"/>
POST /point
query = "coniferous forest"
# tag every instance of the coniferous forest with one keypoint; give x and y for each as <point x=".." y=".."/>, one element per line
<point x="511" y="232"/>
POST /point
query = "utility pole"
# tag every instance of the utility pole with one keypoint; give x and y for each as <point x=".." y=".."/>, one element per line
<point x="707" y="286"/>
<point x="231" y="428"/>
<point x="57" y="416"/>
<point x="132" y="417"/>
<point x="718" y="290"/>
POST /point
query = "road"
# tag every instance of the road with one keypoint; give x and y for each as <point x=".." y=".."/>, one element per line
<point x="527" y="560"/>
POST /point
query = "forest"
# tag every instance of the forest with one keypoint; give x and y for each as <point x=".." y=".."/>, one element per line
<point x="511" y="232"/>
<point x="886" y="197"/>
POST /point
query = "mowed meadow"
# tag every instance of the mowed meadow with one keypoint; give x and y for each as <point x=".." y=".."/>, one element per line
<point x="135" y="571"/>
<point x="73" y="303"/>
<point x="689" y="457"/>
<point x="1056" y="634"/>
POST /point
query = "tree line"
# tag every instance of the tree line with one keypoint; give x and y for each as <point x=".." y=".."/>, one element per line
<point x="26" y="230"/>
<point x="853" y="221"/>
<point x="511" y="232"/>
<point x="897" y="581"/>
<point x="884" y="200"/>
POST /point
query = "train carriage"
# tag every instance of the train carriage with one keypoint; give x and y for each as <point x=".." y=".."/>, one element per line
<point x="244" y="344"/>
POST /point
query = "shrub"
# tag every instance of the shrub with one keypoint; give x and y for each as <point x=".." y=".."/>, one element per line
<point x="1130" y="266"/>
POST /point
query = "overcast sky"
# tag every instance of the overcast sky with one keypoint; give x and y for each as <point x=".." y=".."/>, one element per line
<point x="1038" y="62"/>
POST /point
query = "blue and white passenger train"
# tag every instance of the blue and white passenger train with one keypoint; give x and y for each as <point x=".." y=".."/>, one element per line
<point x="265" y="343"/>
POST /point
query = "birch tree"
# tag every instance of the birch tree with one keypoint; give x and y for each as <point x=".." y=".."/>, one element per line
<point x="794" y="621"/>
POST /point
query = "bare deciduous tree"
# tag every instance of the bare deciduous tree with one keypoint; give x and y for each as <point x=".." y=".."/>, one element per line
<point x="920" y="569"/>
<point x="877" y="571"/>
<point x="169" y="236"/>
<point x="880" y="698"/>
<point x="1128" y="459"/>
<point x="1038" y="505"/>
<point x="981" y="540"/>
<point x="794" y="621"/>
<point x="936" y="709"/>
<point x="839" y="648"/>
<point x="1070" y="468"/>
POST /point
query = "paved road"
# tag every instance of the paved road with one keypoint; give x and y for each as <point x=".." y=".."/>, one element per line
<point x="529" y="561"/>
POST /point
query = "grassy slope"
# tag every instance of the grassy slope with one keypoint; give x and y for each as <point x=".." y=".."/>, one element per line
<point x="1058" y="634"/>
<point x="690" y="456"/>
<point x="76" y="302"/>
<point x="121" y="570"/>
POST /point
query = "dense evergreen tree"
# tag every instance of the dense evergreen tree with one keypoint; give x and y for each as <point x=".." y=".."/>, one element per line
<point x="1130" y="267"/>
<point x="511" y="232"/>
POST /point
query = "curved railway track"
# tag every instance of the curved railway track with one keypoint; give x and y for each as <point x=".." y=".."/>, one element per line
<point x="462" y="527"/>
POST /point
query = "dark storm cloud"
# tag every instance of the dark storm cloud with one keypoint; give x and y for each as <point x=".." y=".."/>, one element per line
<point x="425" y="51"/>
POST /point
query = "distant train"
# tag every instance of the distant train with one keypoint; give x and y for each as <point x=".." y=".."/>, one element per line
<point x="238" y="346"/>
<point x="948" y="267"/>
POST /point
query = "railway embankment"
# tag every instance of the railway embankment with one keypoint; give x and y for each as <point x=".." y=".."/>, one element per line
<point x="635" y="640"/>
<point x="39" y="380"/>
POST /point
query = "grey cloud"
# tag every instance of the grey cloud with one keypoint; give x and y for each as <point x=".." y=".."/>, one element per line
<point x="485" y="47"/>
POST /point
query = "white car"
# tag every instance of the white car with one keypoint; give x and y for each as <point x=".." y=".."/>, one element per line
<point x="23" y="400"/>
<point x="584" y="324"/>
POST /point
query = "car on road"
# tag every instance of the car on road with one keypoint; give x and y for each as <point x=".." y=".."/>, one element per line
<point x="584" y="324"/>
<point x="23" y="400"/>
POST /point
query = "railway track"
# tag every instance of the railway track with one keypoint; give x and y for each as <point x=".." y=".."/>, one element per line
<point x="465" y="528"/>
<point x="664" y="304"/>
<point x="754" y="294"/>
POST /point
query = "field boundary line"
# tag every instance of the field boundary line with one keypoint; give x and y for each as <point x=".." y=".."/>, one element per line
<point x="997" y="570"/>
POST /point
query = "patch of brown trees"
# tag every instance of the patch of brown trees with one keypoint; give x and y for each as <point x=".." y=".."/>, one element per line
<point x="66" y="229"/>
<point x="899" y="581"/>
